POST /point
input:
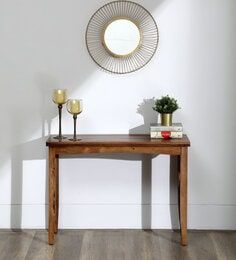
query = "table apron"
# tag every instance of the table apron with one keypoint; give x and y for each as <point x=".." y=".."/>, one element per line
<point x="116" y="149"/>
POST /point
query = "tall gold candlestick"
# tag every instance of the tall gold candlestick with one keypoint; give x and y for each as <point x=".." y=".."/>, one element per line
<point x="59" y="98"/>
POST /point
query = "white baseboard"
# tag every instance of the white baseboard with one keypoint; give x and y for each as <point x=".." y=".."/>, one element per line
<point x="118" y="216"/>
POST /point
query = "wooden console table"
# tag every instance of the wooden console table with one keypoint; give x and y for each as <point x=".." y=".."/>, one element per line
<point x="116" y="144"/>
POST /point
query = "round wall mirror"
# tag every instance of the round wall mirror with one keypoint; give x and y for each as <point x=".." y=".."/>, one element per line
<point x="121" y="37"/>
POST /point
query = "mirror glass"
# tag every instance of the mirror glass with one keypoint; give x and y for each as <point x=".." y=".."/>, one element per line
<point x="121" y="37"/>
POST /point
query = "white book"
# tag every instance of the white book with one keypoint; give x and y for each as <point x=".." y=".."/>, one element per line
<point x="175" y="127"/>
<point x="166" y="134"/>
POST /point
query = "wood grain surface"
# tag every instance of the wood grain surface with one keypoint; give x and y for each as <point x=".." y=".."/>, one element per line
<point x="116" y="144"/>
<point x="117" y="245"/>
<point x="121" y="140"/>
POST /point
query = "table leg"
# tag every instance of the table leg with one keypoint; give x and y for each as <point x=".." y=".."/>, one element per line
<point x="57" y="194"/>
<point x="178" y="162"/>
<point x="183" y="194"/>
<point x="52" y="196"/>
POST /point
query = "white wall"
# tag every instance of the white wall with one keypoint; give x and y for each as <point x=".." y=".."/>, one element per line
<point x="42" y="47"/>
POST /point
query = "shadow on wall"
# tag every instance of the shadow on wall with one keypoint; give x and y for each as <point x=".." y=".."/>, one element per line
<point x="150" y="116"/>
<point x="146" y="180"/>
<point x="174" y="192"/>
<point x="32" y="150"/>
<point x="38" y="102"/>
<point x="36" y="99"/>
<point x="35" y="150"/>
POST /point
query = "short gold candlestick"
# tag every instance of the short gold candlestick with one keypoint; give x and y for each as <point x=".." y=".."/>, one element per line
<point x="59" y="98"/>
<point x="74" y="107"/>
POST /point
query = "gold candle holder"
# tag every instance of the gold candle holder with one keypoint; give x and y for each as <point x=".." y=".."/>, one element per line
<point x="59" y="97"/>
<point x="74" y="107"/>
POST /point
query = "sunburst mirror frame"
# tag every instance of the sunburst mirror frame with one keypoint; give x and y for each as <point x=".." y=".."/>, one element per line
<point x="133" y="12"/>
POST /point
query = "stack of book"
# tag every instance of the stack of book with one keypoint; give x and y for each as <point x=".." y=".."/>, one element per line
<point x="165" y="132"/>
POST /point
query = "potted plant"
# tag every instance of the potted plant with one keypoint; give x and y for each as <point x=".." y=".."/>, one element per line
<point x="166" y="106"/>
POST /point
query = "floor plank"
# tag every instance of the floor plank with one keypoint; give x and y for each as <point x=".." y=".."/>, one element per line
<point x="117" y="245"/>
<point x="16" y="245"/>
<point x="39" y="248"/>
<point x="224" y="244"/>
<point x="68" y="244"/>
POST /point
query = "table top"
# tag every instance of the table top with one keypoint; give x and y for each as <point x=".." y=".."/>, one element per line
<point x="118" y="140"/>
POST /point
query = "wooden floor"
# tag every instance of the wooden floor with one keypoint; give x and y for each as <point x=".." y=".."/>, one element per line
<point x="116" y="244"/>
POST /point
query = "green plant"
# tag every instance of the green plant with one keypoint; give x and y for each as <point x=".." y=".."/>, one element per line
<point x="166" y="105"/>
